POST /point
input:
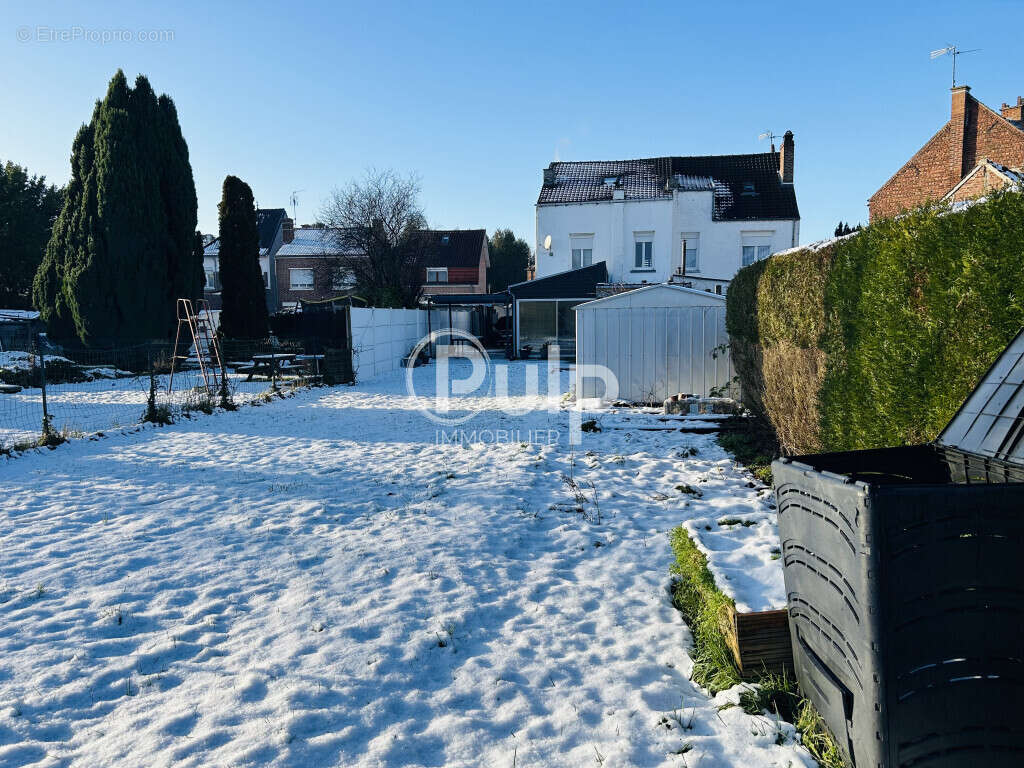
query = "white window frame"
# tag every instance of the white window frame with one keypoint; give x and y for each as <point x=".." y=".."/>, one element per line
<point x="211" y="280"/>
<point x="646" y="260"/>
<point x="443" y="271"/>
<point x="694" y="238"/>
<point x="581" y="246"/>
<point x="293" y="286"/>
<point x="756" y="246"/>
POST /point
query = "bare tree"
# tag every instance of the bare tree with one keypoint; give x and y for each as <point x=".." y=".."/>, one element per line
<point x="380" y="231"/>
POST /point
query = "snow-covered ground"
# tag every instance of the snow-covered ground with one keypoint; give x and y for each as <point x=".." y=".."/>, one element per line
<point x="318" y="582"/>
<point x="94" y="406"/>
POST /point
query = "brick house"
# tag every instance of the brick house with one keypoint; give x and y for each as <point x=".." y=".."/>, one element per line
<point x="307" y="267"/>
<point x="308" y="261"/>
<point x="457" y="262"/>
<point x="977" y="151"/>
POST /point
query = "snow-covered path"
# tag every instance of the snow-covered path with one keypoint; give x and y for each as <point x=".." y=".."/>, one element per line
<point x="317" y="582"/>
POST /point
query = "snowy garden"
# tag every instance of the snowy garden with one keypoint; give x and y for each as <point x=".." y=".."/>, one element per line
<point x="332" y="579"/>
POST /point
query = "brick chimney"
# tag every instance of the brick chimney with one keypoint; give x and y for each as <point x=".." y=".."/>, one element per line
<point x="549" y="176"/>
<point x="1016" y="112"/>
<point x="786" y="158"/>
<point x="958" y="124"/>
<point x="288" y="230"/>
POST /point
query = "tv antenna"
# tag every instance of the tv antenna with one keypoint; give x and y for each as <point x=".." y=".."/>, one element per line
<point x="954" y="52"/>
<point x="768" y="135"/>
<point x="294" y="202"/>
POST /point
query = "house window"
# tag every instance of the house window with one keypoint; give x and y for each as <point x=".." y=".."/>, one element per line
<point x="752" y="253"/>
<point x="341" y="281"/>
<point x="437" y="275"/>
<point x="582" y="250"/>
<point x="691" y="252"/>
<point x="643" y="250"/>
<point x="211" y="281"/>
<point x="266" y="280"/>
<point x="300" y="279"/>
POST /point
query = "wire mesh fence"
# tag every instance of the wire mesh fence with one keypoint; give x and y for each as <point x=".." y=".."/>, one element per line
<point x="48" y="394"/>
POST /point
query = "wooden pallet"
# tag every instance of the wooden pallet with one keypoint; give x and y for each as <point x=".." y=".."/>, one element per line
<point x="759" y="641"/>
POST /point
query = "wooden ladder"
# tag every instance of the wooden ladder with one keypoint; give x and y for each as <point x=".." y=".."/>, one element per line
<point x="196" y="317"/>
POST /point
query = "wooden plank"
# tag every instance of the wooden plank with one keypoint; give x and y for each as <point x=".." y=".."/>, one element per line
<point x="759" y="641"/>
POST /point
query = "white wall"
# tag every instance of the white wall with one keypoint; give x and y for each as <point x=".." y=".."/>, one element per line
<point x="654" y="352"/>
<point x="613" y="224"/>
<point x="381" y="338"/>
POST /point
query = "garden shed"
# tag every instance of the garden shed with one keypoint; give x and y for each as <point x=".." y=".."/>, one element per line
<point x="658" y="341"/>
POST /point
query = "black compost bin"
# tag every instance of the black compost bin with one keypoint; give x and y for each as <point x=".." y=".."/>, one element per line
<point x="904" y="569"/>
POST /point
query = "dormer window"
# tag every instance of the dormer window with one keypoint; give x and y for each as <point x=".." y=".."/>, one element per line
<point x="748" y="188"/>
<point x="611" y="181"/>
<point x="444" y="239"/>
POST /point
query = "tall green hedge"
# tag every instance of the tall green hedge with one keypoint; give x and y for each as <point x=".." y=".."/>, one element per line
<point x="909" y="313"/>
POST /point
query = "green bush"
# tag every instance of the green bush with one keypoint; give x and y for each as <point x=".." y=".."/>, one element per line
<point x="881" y="335"/>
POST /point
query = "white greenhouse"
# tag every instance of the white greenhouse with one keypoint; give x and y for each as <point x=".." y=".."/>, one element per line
<point x="657" y="341"/>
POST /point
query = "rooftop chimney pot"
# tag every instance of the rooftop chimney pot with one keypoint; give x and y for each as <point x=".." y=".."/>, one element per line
<point x="786" y="158"/>
<point x="1014" y="112"/>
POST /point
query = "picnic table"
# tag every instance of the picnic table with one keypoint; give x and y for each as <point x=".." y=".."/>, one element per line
<point x="269" y="365"/>
<point x="273" y="365"/>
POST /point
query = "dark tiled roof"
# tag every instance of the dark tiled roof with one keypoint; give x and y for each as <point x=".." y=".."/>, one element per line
<point x="455" y="247"/>
<point x="730" y="176"/>
<point x="574" y="284"/>
<point x="268" y="221"/>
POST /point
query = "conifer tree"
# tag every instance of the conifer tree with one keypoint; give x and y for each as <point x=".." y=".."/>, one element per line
<point x="243" y="303"/>
<point x="122" y="248"/>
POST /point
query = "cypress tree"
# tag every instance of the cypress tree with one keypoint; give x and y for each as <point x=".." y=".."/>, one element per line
<point x="122" y="249"/>
<point x="243" y="305"/>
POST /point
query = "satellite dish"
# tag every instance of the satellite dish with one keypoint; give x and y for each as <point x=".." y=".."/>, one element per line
<point x="547" y="243"/>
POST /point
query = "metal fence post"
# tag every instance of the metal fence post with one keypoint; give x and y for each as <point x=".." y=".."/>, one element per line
<point x="47" y="429"/>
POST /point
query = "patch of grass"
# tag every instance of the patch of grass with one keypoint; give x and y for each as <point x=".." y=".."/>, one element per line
<point x="755" y="448"/>
<point x="773" y="693"/>
<point x="780" y="695"/>
<point x="590" y="425"/>
<point x="703" y="605"/>
<point x="198" y="399"/>
<point x="816" y="737"/>
<point x="725" y="521"/>
<point x="689" y="490"/>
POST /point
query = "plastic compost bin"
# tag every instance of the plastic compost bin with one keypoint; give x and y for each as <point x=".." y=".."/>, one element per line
<point x="904" y="570"/>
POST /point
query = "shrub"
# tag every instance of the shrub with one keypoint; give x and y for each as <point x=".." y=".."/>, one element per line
<point x="876" y="339"/>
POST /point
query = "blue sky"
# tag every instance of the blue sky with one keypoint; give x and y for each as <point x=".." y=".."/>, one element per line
<point x="476" y="99"/>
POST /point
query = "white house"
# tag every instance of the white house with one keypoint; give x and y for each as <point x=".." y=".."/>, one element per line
<point x="690" y="219"/>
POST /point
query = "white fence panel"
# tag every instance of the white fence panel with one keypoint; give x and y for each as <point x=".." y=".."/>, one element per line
<point x="381" y="338"/>
<point x="654" y="352"/>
